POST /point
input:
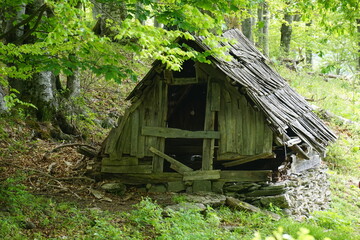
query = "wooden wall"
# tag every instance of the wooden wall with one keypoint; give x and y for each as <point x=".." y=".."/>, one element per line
<point x="233" y="128"/>
<point x="127" y="146"/>
<point x="243" y="130"/>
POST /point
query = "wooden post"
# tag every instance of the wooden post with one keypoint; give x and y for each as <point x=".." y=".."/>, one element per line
<point x="208" y="144"/>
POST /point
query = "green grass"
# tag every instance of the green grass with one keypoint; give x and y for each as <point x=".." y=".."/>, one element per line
<point x="58" y="220"/>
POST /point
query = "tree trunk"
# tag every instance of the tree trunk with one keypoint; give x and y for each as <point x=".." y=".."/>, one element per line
<point x="260" y="13"/>
<point x="358" y="30"/>
<point x="73" y="85"/>
<point x="3" y="107"/>
<point x="43" y="95"/>
<point x="266" y="19"/>
<point x="115" y="11"/>
<point x="286" y="31"/>
<point x="247" y="26"/>
<point x="308" y="51"/>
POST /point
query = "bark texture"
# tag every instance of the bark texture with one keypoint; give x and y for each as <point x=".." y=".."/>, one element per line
<point x="247" y="27"/>
<point x="73" y="85"/>
<point x="3" y="107"/>
<point x="43" y="95"/>
<point x="286" y="31"/>
<point x="263" y="30"/>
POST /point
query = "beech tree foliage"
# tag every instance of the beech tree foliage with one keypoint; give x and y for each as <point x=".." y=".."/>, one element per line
<point x="45" y="40"/>
<point x="41" y="39"/>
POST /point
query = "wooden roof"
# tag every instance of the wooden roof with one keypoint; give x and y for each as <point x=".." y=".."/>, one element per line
<point x="283" y="107"/>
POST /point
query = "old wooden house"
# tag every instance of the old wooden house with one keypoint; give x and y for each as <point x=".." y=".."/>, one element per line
<point x="228" y="121"/>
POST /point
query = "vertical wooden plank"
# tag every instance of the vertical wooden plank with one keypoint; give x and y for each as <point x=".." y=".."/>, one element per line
<point x="229" y="119"/>
<point x="222" y="122"/>
<point x="134" y="133"/>
<point x="149" y="104"/>
<point x="125" y="139"/>
<point x="260" y="134"/>
<point x="141" y="142"/>
<point x="268" y="139"/>
<point x="215" y="98"/>
<point x="159" y="115"/>
<point x="246" y="129"/>
<point x="252" y="130"/>
<point x="208" y="144"/>
<point x="239" y="126"/>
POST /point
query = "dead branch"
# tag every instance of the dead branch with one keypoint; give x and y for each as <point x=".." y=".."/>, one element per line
<point x="47" y="154"/>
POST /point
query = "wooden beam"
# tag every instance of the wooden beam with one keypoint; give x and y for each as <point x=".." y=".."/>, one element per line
<point x="228" y="156"/>
<point x="178" y="133"/>
<point x="127" y="169"/>
<point x="175" y="164"/>
<point x="184" y="81"/>
<point x="201" y="175"/>
<point x="215" y="96"/>
<point x="245" y="176"/>
<point x="209" y="125"/>
<point x="249" y="159"/>
<point x="144" y="178"/>
<point x="124" y="161"/>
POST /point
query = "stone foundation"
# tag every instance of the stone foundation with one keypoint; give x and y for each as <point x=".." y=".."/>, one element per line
<point x="299" y="195"/>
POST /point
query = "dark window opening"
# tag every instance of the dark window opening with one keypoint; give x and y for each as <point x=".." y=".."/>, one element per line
<point x="187" y="71"/>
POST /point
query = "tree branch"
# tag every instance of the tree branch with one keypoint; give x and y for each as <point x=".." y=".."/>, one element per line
<point x="38" y="13"/>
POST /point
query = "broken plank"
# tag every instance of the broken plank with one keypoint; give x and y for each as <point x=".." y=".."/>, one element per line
<point x="201" y="175"/>
<point x="178" y="133"/>
<point x="245" y="176"/>
<point x="127" y="169"/>
<point x="175" y="164"/>
<point x="249" y="159"/>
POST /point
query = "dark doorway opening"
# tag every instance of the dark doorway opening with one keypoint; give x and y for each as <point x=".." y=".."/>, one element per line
<point x="186" y="111"/>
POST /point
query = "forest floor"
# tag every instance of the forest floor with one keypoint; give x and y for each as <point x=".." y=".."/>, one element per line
<point x="46" y="193"/>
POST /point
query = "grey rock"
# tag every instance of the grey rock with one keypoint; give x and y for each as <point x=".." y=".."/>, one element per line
<point x="118" y="188"/>
<point x="185" y="206"/>
<point x="157" y="188"/>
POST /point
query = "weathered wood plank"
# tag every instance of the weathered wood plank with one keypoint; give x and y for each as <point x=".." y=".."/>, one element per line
<point x="141" y="141"/>
<point x="124" y="161"/>
<point x="184" y="81"/>
<point x="201" y="175"/>
<point x="158" y="162"/>
<point x="222" y="124"/>
<point x="230" y="156"/>
<point x="209" y="124"/>
<point x="144" y="178"/>
<point x="245" y="176"/>
<point x="175" y="164"/>
<point x="134" y="133"/>
<point x="230" y="123"/>
<point x="177" y="133"/>
<point x="249" y="159"/>
<point x="127" y="169"/>
<point x="125" y="144"/>
<point x="215" y="98"/>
